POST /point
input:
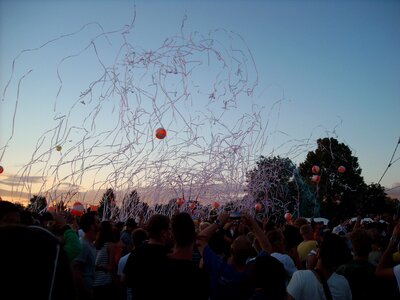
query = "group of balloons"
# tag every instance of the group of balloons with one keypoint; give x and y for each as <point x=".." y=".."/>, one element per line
<point x="316" y="178"/>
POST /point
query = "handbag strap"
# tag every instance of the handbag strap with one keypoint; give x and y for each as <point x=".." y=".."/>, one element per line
<point x="321" y="278"/>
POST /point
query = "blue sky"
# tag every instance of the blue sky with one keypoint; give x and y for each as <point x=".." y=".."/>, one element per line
<point x="323" y="68"/>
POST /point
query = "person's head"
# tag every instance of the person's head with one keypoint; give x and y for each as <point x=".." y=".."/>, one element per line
<point x="139" y="236"/>
<point x="34" y="264"/>
<point x="277" y="240"/>
<point x="105" y="234"/>
<point x="333" y="251"/>
<point x="130" y="224"/>
<point x="9" y="213"/>
<point x="292" y="236"/>
<point x="300" y="222"/>
<point x="183" y="230"/>
<point x="46" y="219"/>
<point x="361" y="242"/>
<point x="306" y="231"/>
<point x="158" y="228"/>
<point x="204" y="225"/>
<point x="241" y="249"/>
<point x="270" y="276"/>
<point x="89" y="224"/>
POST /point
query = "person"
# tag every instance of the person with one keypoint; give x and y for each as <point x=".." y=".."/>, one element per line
<point x="84" y="265"/>
<point x="231" y="278"/>
<point x="104" y="285"/>
<point x="185" y="279"/>
<point x="145" y="268"/>
<point x="307" y="244"/>
<point x="278" y="244"/>
<point x="139" y="236"/>
<point x="33" y="264"/>
<point x="9" y="213"/>
<point x="386" y="268"/>
<point x="269" y="278"/>
<point x="359" y="272"/>
<point x="67" y="235"/>
<point x="126" y="236"/>
<point x="323" y="282"/>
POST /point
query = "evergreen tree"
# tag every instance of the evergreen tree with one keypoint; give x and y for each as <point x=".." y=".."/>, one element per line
<point x="106" y="205"/>
<point x="339" y="187"/>
<point x="37" y="204"/>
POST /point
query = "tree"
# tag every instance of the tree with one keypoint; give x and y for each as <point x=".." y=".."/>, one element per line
<point x="376" y="201"/>
<point x="339" y="187"/>
<point x="132" y="207"/>
<point x="37" y="204"/>
<point x="106" y="205"/>
<point x="273" y="184"/>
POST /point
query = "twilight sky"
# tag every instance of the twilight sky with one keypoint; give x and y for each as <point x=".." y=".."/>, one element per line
<point x="317" y="68"/>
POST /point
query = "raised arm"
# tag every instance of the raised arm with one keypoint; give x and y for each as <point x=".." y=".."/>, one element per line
<point x="206" y="233"/>
<point x="385" y="266"/>
<point x="258" y="232"/>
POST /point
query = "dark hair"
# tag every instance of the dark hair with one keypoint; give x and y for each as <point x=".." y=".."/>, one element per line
<point x="292" y="236"/>
<point x="157" y="223"/>
<point x="105" y="234"/>
<point x="37" y="259"/>
<point x="139" y="235"/>
<point x="270" y="276"/>
<point x="334" y="250"/>
<point x="361" y="242"/>
<point x="87" y="220"/>
<point x="183" y="229"/>
<point x="7" y="207"/>
<point x="131" y="223"/>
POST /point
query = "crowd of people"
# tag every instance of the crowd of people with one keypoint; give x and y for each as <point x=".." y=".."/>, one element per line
<point x="57" y="256"/>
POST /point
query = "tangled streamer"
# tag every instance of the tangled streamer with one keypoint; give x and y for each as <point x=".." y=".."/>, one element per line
<point x="110" y="97"/>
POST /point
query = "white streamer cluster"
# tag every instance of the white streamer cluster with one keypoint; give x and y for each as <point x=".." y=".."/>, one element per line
<point x="112" y="95"/>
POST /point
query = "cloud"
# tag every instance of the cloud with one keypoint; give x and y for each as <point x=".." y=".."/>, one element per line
<point x="16" y="181"/>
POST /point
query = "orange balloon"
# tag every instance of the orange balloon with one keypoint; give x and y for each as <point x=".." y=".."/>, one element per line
<point x="1" y="169"/>
<point x="341" y="169"/>
<point x="161" y="133"/>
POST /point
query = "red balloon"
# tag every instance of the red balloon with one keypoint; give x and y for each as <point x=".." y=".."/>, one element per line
<point x="161" y="133"/>
<point x="180" y="201"/>
<point x="316" y="178"/>
<point x="78" y="209"/>
<point x="288" y="216"/>
<point x="258" y="206"/>
<point x="1" y="169"/>
<point x="341" y="169"/>
<point x="216" y="204"/>
<point x="315" y="169"/>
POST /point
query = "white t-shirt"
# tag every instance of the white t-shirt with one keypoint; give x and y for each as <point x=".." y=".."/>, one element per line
<point x="396" y="271"/>
<point x="287" y="262"/>
<point x="305" y="285"/>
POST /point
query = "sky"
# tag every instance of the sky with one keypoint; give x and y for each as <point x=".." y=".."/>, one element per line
<point x="311" y="69"/>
